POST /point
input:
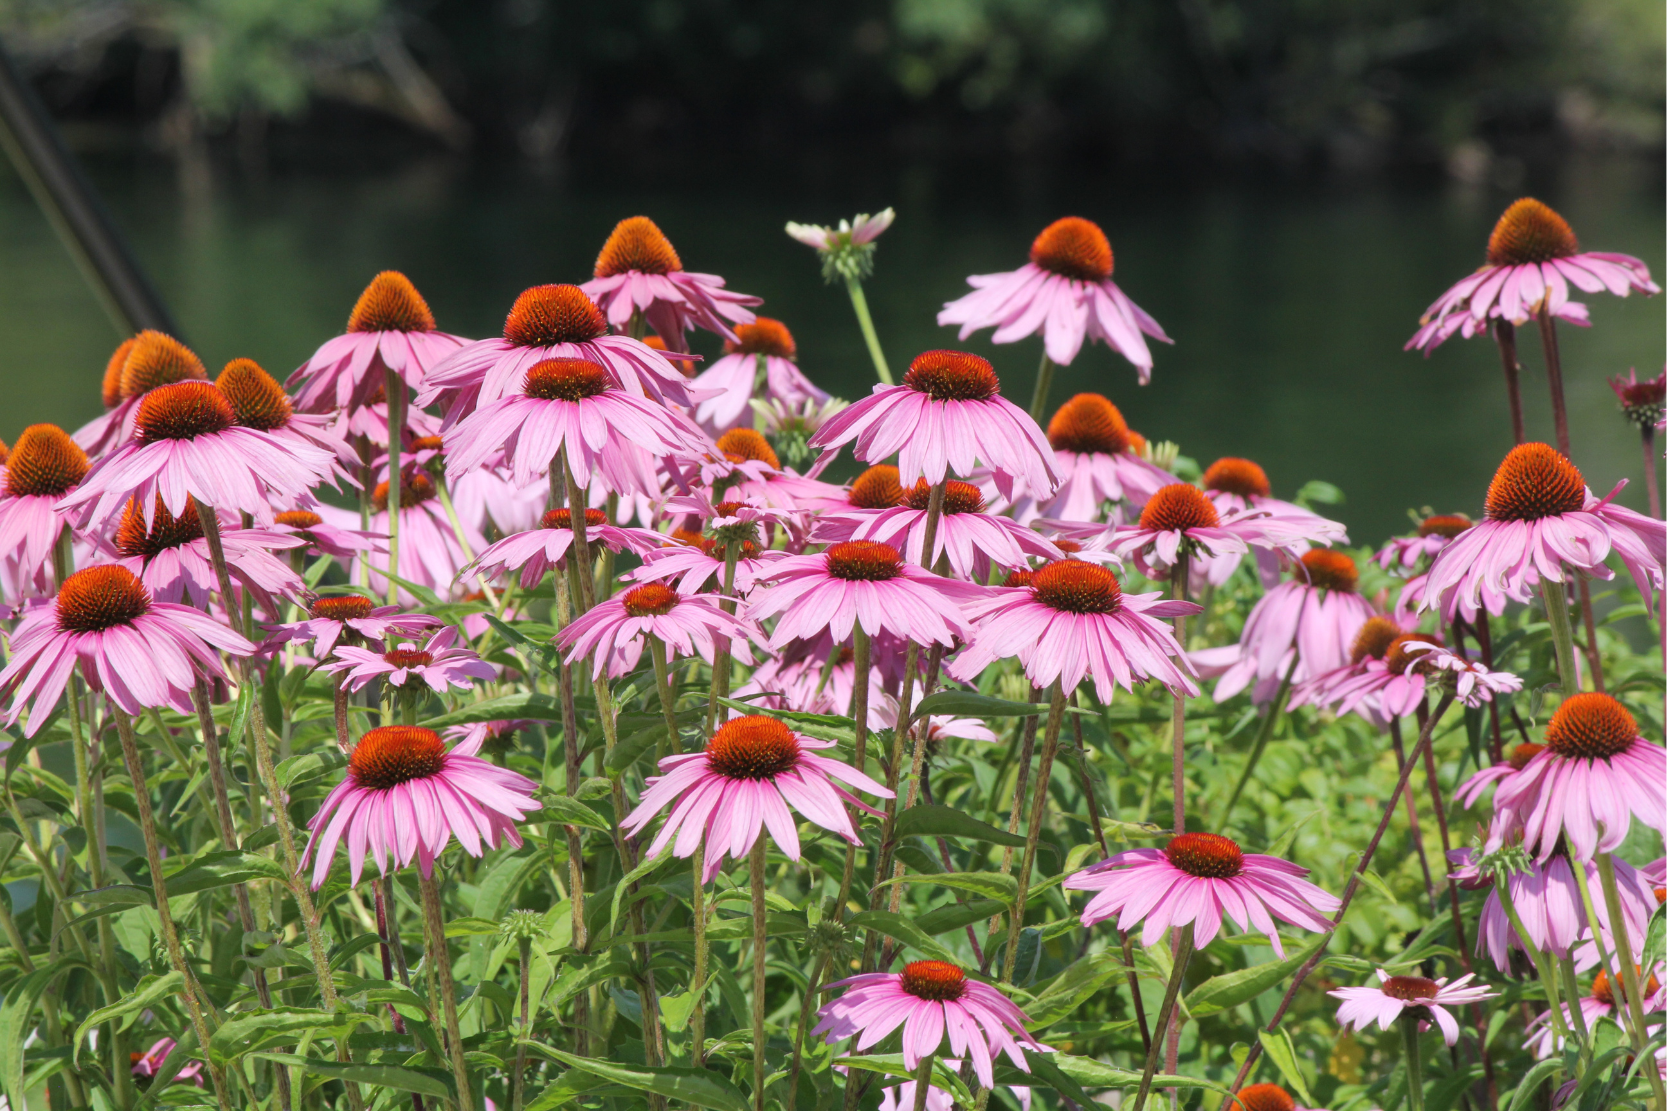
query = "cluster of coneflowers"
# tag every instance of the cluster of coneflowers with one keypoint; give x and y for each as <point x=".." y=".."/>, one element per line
<point x="534" y="533"/>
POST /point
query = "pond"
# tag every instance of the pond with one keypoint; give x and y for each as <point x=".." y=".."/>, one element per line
<point x="1288" y="303"/>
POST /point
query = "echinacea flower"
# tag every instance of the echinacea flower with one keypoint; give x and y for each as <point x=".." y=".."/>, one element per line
<point x="1642" y="402"/>
<point x="1327" y="689"/>
<point x="750" y="471"/>
<point x="1546" y="900"/>
<point x="439" y="663"/>
<point x="1065" y="291"/>
<point x="186" y="442"/>
<point x="947" y="415"/>
<point x="534" y="553"/>
<point x="1071" y="622"/>
<point x="430" y="554"/>
<point x="698" y="564"/>
<point x="1196" y="879"/>
<point x="171" y="558"/>
<point x="613" y="632"/>
<point x="761" y="354"/>
<point x="44" y="466"/>
<point x="1094" y="456"/>
<point x="148" y="1064"/>
<point x="846" y="251"/>
<point x="1236" y="484"/>
<point x="1180" y="519"/>
<point x="1541" y="1038"/>
<point x="1473" y="684"/>
<point x="972" y="540"/>
<point x="1541" y="523"/>
<point x="142" y="363"/>
<point x="391" y="328"/>
<point x="1533" y="258"/>
<point x="929" y="999"/>
<point x="259" y="402"/>
<point x="860" y="582"/>
<point x="489" y="498"/>
<point x="406" y="796"/>
<point x="803" y="677"/>
<point x="1394" y="996"/>
<point x="638" y="271"/>
<point x="901" y="1097"/>
<point x="1414" y="553"/>
<point x="349" y="618"/>
<point x="751" y="776"/>
<point x="323" y="537"/>
<point x="572" y="406"/>
<point x="1471" y="790"/>
<point x="139" y="652"/>
<point x="1593" y="777"/>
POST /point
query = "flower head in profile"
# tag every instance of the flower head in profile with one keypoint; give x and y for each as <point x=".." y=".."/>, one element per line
<point x="1241" y="485"/>
<point x="1065" y="292"/>
<point x="1394" y="996"/>
<point x="929" y="999"/>
<point x="1542" y="1039"/>
<point x="349" y="619"/>
<point x="323" y="537"/>
<point x="44" y="466"/>
<point x="751" y="777"/>
<point x="1180" y="519"/>
<point x="140" y="653"/>
<point x="614" y="632"/>
<point x="1594" y="775"/>
<point x="1196" y="879"/>
<point x="1096" y="457"/>
<point x="639" y="272"/>
<point x="439" y="664"/>
<point x="846" y="251"/>
<point x="390" y="328"/>
<point x="1072" y="621"/>
<point x="535" y="552"/>
<point x="762" y="354"/>
<point x="171" y="557"/>
<point x="1642" y="402"/>
<point x="406" y="796"/>
<point x="142" y="363"/>
<point x="947" y="415"/>
<point x="1533" y="257"/>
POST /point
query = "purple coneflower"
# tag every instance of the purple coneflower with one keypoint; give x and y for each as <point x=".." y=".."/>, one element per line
<point x="439" y="663"/>
<point x="142" y="363"/>
<point x="1180" y="519"/>
<point x="613" y="631"/>
<point x="535" y="553"/>
<point x="1541" y="1036"/>
<point x="171" y="558"/>
<point x="147" y="1064"/>
<point x="638" y="271"/>
<point x="261" y="403"/>
<point x="406" y="796"/>
<point x="43" y="467"/>
<point x="1095" y="458"/>
<point x="390" y="328"/>
<point x="1241" y="485"/>
<point x="732" y="378"/>
<point x="1396" y="995"/>
<point x="344" y="617"/>
<point x="430" y="553"/>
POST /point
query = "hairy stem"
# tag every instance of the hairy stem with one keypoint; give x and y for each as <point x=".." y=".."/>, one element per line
<point x="859" y="303"/>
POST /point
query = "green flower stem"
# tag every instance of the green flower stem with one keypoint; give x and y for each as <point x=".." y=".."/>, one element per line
<point x="439" y="961"/>
<point x="759" y="970"/>
<point x="697" y="983"/>
<point x="812" y="986"/>
<point x="1562" y="634"/>
<point x="861" y="655"/>
<point x="720" y="647"/>
<point x="1542" y="965"/>
<point x="1413" y="828"/>
<point x="1629" y="971"/>
<point x="1504" y="332"/>
<point x="579" y="555"/>
<point x="1166" y="1014"/>
<point x="1415" y="1063"/>
<point x="1270" y="722"/>
<point x="923" y="1080"/>
<point x="1178" y="785"/>
<point x="1038" y="816"/>
<point x="394" y="387"/>
<point x="1021" y="781"/>
<point x="388" y="934"/>
<point x="658" y="652"/>
<point x="159" y="886"/>
<point x="1571" y="989"/>
<point x="859" y="303"/>
<point x="1044" y="383"/>
<point x="518" y="1077"/>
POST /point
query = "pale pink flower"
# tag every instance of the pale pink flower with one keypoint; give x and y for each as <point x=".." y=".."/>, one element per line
<point x="1094" y="455"/>
<point x="638" y="272"/>
<point x="430" y="555"/>
<point x="1540" y="1038"/>
<point x="349" y="618"/>
<point x="859" y="231"/>
<point x="901" y="1097"/>
<point x="439" y="663"/>
<point x="1470" y="792"/>
<point x="44" y="466"/>
<point x="1392" y="996"/>
<point x="1397" y="682"/>
<point x="171" y="558"/>
<point x="1065" y="291"/>
<point x="259" y="402"/>
<point x="761" y="354"/>
<point x="535" y="553"/>
<point x="321" y="537"/>
<point x="140" y="364"/>
<point x="406" y="796"/>
<point x="1240" y="486"/>
<point x="390" y="328"/>
<point x="488" y="498"/>
<point x="1545" y="898"/>
<point x="801" y="676"/>
<point x="743" y="467"/>
<point x="614" y="632"/>
<point x="1181" y="518"/>
<point x="698" y="564"/>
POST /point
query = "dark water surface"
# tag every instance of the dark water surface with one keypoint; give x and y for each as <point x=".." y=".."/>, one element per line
<point x="1288" y="304"/>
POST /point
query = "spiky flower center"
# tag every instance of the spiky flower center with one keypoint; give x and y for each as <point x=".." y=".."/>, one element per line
<point x="1231" y="475"/>
<point x="1178" y="507"/>
<point x="649" y="600"/>
<point x="742" y="444"/>
<point x="938" y="981"/>
<point x="413" y="490"/>
<point x="183" y="411"/>
<point x="1266" y="1097"/>
<point x="864" y="561"/>
<point x="390" y="303"/>
<point x="1374" y="639"/>
<point x="1073" y="248"/>
<point x="550" y="314"/>
<point x="952" y="376"/>
<point x="563" y="518"/>
<point x="299" y="519"/>
<point x="255" y="395"/>
<point x="567" y="380"/>
<point x="156" y="359"/>
<point x="99" y="598"/>
<point x="111" y="389"/>
<point x="1329" y="569"/>
<point x="958" y="497"/>
<point x="1445" y="524"/>
<point x="1530" y="231"/>
<point x="393" y="754"/>
<point x="165" y="531"/>
<point x="1206" y="855"/>
<point x="1022" y="576"/>
<point x="1089" y="424"/>
<point x="1522" y="753"/>
<point x="764" y="336"/>
<point x="1410" y="989"/>
<point x="1590" y="725"/>
<point x="876" y="488"/>
<point x="1072" y="586"/>
<point x="1535" y="481"/>
<point x="408" y="657"/>
<point x="1398" y="660"/>
<point x="752" y="747"/>
<point x="344" y="607"/>
<point x="1603" y="989"/>
<point x="45" y="462"/>
<point x="428" y="443"/>
<point x="637" y="243"/>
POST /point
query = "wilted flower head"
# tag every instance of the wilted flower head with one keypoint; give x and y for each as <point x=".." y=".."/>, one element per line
<point x="846" y="251"/>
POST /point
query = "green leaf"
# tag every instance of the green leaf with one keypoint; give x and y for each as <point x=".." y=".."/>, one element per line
<point x="1278" y="1047"/>
<point x="1315" y="490"/>
<point x="634" y="747"/>
<point x="1074" y="987"/>
<point x="898" y="928"/>
<point x="402" y="1078"/>
<point x="699" y="1087"/>
<point x="159" y="988"/>
<point x="974" y="705"/>
<point x="1097" y="1074"/>
<point x="570" y="1086"/>
<point x="956" y="915"/>
<point x="1046" y="1069"/>
<point x="1219" y="993"/>
<point x="222" y="869"/>
<point x="1655" y="939"/>
<point x="1531" y="1083"/>
<point x="946" y="821"/>
<point x="471" y="927"/>
<point x="992" y="885"/>
<point x="891" y="1064"/>
<point x="17" y="1020"/>
<point x="245" y="1033"/>
<point x="537" y="707"/>
<point x="571" y="812"/>
<point x="1375" y="882"/>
